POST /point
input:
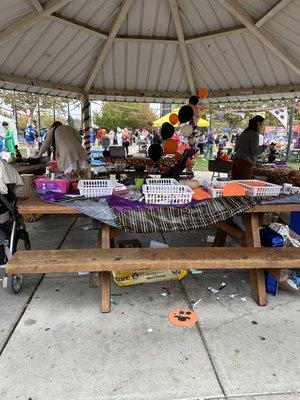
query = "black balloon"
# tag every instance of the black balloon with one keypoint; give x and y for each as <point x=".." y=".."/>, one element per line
<point x="167" y="131"/>
<point x="185" y="114"/>
<point x="193" y="100"/>
<point x="155" y="152"/>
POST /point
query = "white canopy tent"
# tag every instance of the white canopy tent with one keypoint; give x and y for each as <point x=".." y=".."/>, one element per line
<point x="151" y="50"/>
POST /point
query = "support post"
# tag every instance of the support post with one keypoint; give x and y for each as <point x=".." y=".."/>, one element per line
<point x="86" y="122"/>
<point x="69" y="116"/>
<point x="288" y="149"/>
<point x="39" y="114"/>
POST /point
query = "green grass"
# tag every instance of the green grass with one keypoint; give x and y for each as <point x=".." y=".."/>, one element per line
<point x="202" y="165"/>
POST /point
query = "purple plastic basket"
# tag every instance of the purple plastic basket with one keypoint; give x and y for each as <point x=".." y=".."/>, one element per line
<point x="44" y="185"/>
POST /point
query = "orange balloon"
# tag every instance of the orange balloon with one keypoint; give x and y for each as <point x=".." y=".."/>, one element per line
<point x="170" y="146"/>
<point x="173" y="118"/>
<point x="202" y="93"/>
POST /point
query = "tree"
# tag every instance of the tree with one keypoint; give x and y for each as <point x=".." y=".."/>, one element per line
<point x="124" y="115"/>
<point x="28" y="103"/>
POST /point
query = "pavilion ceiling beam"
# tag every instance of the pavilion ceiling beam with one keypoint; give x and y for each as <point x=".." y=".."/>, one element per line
<point x="37" y="5"/>
<point x="30" y="19"/>
<point x="272" y="12"/>
<point x="213" y="34"/>
<point x="138" y="93"/>
<point x="37" y="83"/>
<point x="104" y="35"/>
<point x="78" y="25"/>
<point x="182" y="44"/>
<point x="262" y="34"/>
<point x="107" y="44"/>
<point x="250" y="91"/>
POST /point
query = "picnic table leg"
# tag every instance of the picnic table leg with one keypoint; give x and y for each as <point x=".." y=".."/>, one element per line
<point x="104" y="277"/>
<point x="257" y="276"/>
<point x="94" y="277"/>
<point x="220" y="238"/>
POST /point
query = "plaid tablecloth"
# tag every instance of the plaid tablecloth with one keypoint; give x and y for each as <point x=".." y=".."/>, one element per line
<point x="188" y="218"/>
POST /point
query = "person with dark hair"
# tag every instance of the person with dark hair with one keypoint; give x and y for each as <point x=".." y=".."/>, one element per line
<point x="9" y="139"/>
<point x="247" y="149"/>
<point x="67" y="147"/>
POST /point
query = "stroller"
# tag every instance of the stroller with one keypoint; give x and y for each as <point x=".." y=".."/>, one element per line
<point x="12" y="230"/>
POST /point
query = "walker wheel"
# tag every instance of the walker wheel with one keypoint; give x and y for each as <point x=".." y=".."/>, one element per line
<point x="14" y="283"/>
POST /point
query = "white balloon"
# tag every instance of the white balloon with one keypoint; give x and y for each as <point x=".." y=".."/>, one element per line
<point x="186" y="130"/>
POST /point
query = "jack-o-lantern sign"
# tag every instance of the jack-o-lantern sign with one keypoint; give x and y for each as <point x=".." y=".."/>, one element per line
<point x="182" y="317"/>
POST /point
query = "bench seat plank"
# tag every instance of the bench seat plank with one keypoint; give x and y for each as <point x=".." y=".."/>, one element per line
<point x="47" y="261"/>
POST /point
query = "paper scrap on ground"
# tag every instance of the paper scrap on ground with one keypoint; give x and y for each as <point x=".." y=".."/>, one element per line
<point x="243" y="299"/>
<point x="233" y="295"/>
<point x="195" y="271"/>
<point x="149" y="330"/>
<point x="213" y="290"/>
<point x="210" y="239"/>
<point x="197" y="302"/>
<point x="164" y="294"/>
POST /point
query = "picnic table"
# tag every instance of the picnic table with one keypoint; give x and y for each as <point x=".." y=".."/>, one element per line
<point x="250" y="237"/>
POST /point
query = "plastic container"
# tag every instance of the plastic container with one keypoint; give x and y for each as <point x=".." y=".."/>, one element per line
<point x="295" y="221"/>
<point x="167" y="194"/>
<point x="270" y="238"/>
<point x="161" y="181"/>
<point x="44" y="185"/>
<point x="95" y="187"/>
<point x="215" y="188"/>
<point x="258" y="188"/>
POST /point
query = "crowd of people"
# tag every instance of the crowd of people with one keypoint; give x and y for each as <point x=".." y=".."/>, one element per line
<point x="66" y="144"/>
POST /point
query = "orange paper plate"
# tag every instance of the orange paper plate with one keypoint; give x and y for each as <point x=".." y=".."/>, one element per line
<point x="200" y="194"/>
<point x="182" y="317"/>
<point x="233" y="189"/>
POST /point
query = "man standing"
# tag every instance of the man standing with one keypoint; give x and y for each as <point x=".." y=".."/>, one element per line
<point x="9" y="139"/>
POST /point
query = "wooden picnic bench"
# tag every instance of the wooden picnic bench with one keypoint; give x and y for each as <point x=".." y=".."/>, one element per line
<point x="102" y="262"/>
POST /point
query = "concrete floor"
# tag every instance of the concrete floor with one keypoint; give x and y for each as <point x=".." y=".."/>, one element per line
<point x="55" y="344"/>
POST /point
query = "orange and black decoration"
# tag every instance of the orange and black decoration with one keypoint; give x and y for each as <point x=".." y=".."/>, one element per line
<point x="182" y="317"/>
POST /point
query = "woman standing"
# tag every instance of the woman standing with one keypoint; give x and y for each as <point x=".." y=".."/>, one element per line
<point x="247" y="149"/>
<point x="9" y="139"/>
<point x="69" y="153"/>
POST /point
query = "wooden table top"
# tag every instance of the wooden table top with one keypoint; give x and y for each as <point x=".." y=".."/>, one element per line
<point x="34" y="205"/>
<point x="29" y="169"/>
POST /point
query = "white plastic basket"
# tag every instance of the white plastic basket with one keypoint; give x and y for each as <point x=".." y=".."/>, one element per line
<point x="161" y="181"/>
<point x="167" y="194"/>
<point x="266" y="189"/>
<point x="95" y="187"/>
<point x="215" y="188"/>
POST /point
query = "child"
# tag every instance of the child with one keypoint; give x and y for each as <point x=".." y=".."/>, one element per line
<point x="19" y="157"/>
<point x="272" y="153"/>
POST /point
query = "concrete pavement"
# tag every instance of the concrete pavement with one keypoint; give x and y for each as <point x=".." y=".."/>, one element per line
<point x="63" y="348"/>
